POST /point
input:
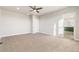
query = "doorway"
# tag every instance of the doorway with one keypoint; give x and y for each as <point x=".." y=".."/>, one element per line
<point x="69" y="25"/>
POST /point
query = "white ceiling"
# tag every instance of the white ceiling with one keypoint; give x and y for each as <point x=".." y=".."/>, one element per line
<point x="26" y="9"/>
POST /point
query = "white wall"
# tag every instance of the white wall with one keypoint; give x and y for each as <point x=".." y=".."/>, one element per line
<point x="77" y="25"/>
<point x="35" y="24"/>
<point x="69" y="19"/>
<point x="12" y="23"/>
<point x="47" y="21"/>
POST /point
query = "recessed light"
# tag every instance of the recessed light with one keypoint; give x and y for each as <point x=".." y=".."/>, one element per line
<point x="18" y="8"/>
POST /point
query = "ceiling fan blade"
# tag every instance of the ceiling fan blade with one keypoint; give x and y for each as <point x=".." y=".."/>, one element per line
<point x="37" y="11"/>
<point x="31" y="7"/>
<point x="39" y="8"/>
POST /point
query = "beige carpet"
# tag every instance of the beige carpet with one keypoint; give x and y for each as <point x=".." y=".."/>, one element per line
<point x="38" y="43"/>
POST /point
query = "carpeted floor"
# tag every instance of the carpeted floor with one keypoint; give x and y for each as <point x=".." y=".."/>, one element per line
<point x="38" y="43"/>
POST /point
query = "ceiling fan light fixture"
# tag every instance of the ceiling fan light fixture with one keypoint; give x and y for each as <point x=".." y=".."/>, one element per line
<point x="34" y="10"/>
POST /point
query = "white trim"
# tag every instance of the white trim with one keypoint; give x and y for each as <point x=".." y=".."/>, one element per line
<point x="0" y="39"/>
<point x="12" y="35"/>
<point x="76" y="39"/>
<point x="46" y="33"/>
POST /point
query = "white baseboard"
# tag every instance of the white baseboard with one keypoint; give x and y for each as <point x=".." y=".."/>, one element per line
<point x="44" y="33"/>
<point x="76" y="39"/>
<point x="12" y="35"/>
<point x="20" y="34"/>
<point x="0" y="39"/>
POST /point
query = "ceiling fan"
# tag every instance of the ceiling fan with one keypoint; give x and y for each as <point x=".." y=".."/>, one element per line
<point x="35" y="8"/>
